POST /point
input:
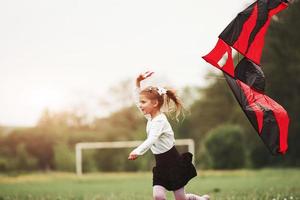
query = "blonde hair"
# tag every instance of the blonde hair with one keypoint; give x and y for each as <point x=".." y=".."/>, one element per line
<point x="164" y="100"/>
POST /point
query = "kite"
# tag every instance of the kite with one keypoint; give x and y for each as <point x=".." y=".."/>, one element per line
<point x="246" y="35"/>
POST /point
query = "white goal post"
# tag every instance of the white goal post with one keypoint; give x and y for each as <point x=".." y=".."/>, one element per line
<point x="120" y="144"/>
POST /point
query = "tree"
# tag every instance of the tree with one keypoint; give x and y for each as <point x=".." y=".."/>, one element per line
<point x="225" y="147"/>
<point x="215" y="106"/>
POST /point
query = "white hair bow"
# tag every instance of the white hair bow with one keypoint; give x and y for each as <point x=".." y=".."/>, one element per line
<point x="161" y="90"/>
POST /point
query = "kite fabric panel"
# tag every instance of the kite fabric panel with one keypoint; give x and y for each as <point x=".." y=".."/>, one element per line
<point x="247" y="31"/>
<point x="246" y="35"/>
<point x="215" y="57"/>
<point x="269" y="119"/>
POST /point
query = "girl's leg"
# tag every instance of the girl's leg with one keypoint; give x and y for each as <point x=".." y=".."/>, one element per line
<point x="159" y="192"/>
<point x="180" y="195"/>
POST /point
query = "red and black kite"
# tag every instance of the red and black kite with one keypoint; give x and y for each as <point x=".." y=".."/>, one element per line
<point x="247" y="81"/>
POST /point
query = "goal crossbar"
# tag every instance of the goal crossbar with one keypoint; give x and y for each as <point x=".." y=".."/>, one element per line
<point x="120" y="144"/>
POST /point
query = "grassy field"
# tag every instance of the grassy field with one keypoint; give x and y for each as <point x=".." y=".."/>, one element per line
<point x="269" y="184"/>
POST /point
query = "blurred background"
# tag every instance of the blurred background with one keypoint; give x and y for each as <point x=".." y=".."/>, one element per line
<point x="67" y="70"/>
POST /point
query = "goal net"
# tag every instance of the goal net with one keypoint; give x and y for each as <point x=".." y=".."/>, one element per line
<point x="120" y="144"/>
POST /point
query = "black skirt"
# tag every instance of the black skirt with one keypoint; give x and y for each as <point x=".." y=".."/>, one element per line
<point x="173" y="171"/>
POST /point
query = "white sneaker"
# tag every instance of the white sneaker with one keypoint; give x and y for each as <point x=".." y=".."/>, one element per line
<point x="205" y="197"/>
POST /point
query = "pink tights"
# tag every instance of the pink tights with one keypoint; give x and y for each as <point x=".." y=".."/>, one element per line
<point x="159" y="193"/>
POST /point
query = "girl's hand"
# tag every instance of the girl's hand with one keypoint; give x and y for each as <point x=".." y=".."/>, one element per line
<point x="143" y="76"/>
<point x="132" y="156"/>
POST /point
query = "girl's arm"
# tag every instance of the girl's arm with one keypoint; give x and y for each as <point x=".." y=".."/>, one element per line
<point x="137" y="90"/>
<point x="134" y="154"/>
<point x="153" y="136"/>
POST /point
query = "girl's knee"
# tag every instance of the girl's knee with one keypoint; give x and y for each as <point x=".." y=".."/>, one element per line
<point x="159" y="197"/>
<point x="159" y="193"/>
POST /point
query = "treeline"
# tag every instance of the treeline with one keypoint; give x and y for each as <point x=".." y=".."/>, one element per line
<point x="50" y="145"/>
<point x="223" y="135"/>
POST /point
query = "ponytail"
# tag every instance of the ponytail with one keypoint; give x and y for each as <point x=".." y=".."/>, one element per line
<point x="171" y="95"/>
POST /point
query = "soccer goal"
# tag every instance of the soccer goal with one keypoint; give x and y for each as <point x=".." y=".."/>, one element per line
<point x="120" y="144"/>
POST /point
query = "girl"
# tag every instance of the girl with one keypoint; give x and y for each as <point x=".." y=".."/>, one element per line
<point x="172" y="171"/>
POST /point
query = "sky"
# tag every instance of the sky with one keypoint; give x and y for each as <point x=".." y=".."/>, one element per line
<point x="64" y="54"/>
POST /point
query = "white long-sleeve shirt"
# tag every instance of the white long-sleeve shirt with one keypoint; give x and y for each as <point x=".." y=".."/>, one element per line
<point x="160" y="135"/>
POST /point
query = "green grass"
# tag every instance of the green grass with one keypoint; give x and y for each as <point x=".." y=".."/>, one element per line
<point x="268" y="184"/>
